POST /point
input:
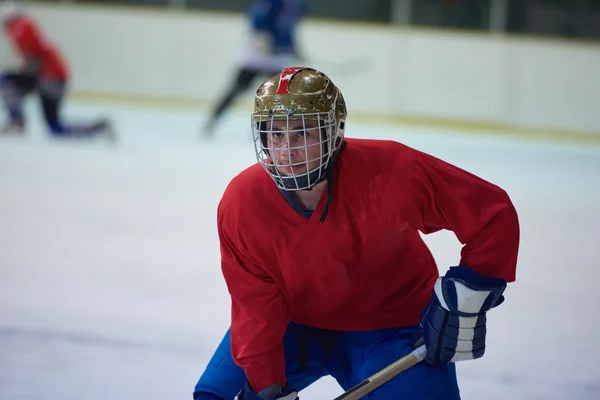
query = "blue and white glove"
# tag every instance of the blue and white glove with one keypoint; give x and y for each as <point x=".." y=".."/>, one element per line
<point x="273" y="392"/>
<point x="453" y="323"/>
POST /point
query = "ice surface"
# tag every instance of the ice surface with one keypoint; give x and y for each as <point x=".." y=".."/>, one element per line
<point x="110" y="286"/>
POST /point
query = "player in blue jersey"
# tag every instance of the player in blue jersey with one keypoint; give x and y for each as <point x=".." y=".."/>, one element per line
<point x="271" y="46"/>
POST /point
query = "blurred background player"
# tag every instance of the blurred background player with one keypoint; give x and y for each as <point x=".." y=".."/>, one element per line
<point x="271" y="48"/>
<point x="43" y="70"/>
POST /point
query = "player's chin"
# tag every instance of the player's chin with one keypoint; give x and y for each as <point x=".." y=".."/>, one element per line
<point x="292" y="170"/>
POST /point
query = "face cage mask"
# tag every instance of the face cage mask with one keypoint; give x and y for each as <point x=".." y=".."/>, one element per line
<point x="295" y="158"/>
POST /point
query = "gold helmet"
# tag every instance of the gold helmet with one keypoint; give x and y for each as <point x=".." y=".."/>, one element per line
<point x="297" y="125"/>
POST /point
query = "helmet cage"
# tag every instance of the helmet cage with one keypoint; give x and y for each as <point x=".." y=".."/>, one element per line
<point x="267" y="141"/>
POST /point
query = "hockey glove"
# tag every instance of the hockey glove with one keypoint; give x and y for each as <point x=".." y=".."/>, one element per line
<point x="453" y="323"/>
<point x="273" y="392"/>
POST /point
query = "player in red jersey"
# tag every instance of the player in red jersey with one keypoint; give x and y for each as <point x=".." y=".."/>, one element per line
<point x="327" y="271"/>
<point x="43" y="70"/>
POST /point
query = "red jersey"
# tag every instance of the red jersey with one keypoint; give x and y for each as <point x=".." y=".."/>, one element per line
<point x="31" y="44"/>
<point x="366" y="267"/>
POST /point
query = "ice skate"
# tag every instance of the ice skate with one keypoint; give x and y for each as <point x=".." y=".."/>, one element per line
<point x="105" y="129"/>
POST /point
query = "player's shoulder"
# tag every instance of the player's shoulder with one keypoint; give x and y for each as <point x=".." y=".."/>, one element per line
<point x="375" y="144"/>
<point x="247" y="185"/>
<point x="398" y="162"/>
<point x="383" y="150"/>
<point x="20" y="24"/>
<point x="245" y="202"/>
<point x="22" y="20"/>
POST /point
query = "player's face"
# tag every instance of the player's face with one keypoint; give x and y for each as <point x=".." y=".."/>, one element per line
<point x="296" y="148"/>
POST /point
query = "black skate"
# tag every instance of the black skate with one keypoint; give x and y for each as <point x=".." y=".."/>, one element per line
<point x="208" y="132"/>
<point x="105" y="129"/>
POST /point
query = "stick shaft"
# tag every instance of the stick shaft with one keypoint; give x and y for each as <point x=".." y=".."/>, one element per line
<point x="386" y="374"/>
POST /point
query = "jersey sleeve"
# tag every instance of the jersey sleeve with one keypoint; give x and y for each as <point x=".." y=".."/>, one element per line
<point x="28" y="40"/>
<point x="259" y="311"/>
<point x="481" y="215"/>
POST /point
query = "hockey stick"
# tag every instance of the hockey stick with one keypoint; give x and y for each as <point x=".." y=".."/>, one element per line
<point x="381" y="377"/>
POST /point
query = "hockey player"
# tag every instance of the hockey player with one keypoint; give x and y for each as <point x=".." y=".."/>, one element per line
<point x="271" y="47"/>
<point x="327" y="271"/>
<point x="44" y="71"/>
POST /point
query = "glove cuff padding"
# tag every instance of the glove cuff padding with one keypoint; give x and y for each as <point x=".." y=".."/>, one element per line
<point x="454" y="322"/>
<point x="466" y="293"/>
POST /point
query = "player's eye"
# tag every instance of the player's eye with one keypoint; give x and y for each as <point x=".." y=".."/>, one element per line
<point x="312" y="132"/>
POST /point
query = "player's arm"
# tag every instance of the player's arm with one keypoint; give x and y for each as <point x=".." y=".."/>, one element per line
<point x="481" y="215"/>
<point x="259" y="318"/>
<point x="28" y="42"/>
<point x="484" y="219"/>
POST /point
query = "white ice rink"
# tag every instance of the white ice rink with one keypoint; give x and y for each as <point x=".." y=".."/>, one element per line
<point x="110" y="284"/>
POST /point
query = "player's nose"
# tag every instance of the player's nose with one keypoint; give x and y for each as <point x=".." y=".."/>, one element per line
<point x="286" y="148"/>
